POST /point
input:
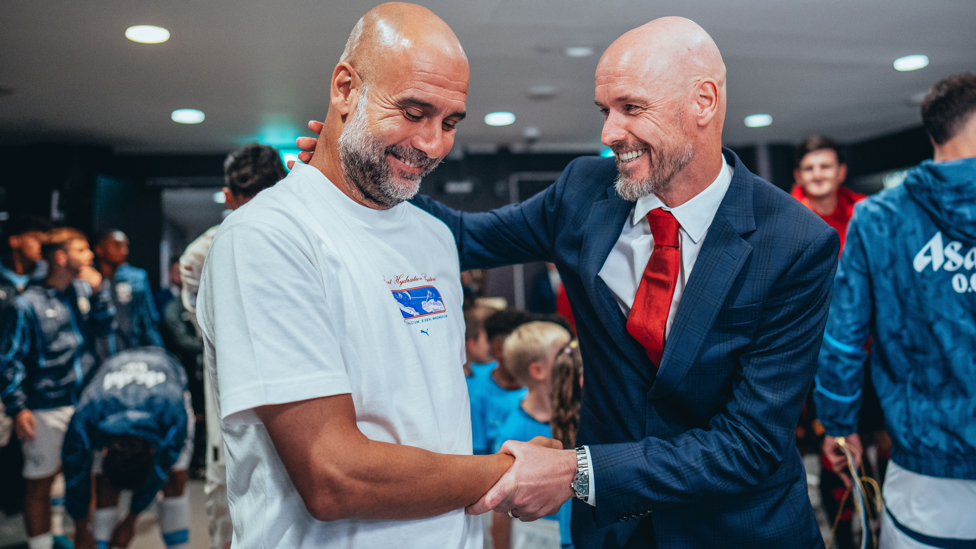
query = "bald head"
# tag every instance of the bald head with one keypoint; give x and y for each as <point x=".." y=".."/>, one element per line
<point x="396" y="97"/>
<point x="670" y="52"/>
<point x="396" y="30"/>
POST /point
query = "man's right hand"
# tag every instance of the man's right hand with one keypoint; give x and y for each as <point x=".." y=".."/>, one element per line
<point x="25" y="425"/>
<point x="91" y="276"/>
<point x="838" y="459"/>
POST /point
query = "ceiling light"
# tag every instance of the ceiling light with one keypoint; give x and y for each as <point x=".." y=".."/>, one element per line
<point x="607" y="153"/>
<point x="500" y="118"/>
<point x="147" y="34"/>
<point x="219" y="197"/>
<point x="911" y="63"/>
<point x="578" y="51"/>
<point x="187" y="116"/>
<point x="758" y="120"/>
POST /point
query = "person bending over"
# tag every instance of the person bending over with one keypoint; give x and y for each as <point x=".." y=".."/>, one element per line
<point x="132" y="430"/>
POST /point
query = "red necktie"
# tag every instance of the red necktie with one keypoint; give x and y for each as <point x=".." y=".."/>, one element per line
<point x="649" y="315"/>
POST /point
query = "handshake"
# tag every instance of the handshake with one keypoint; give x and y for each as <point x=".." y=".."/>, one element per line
<point x="536" y="485"/>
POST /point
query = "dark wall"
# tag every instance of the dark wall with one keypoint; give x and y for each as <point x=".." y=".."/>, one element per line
<point x="889" y="152"/>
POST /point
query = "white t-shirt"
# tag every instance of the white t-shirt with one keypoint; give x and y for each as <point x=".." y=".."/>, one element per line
<point x="307" y="294"/>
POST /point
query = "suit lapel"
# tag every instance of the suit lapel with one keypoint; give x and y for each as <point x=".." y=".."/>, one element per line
<point x="602" y="231"/>
<point x="722" y="256"/>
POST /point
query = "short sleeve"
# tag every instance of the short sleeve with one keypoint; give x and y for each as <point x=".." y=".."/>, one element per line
<point x="264" y="310"/>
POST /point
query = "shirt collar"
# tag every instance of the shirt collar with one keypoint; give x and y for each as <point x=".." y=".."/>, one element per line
<point x="696" y="215"/>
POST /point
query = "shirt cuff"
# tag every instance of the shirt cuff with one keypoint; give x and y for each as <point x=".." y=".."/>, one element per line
<point x="589" y="465"/>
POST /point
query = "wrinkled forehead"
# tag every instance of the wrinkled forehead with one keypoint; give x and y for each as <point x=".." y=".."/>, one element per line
<point x="421" y="63"/>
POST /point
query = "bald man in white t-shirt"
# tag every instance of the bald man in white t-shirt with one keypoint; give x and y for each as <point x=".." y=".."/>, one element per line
<point x="331" y="315"/>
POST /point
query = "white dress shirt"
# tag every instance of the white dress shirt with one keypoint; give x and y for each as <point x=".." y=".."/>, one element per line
<point x="624" y="267"/>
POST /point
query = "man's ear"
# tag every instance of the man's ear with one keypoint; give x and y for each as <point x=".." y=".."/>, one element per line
<point x="842" y="173"/>
<point x="706" y="101"/>
<point x="14" y="241"/>
<point x="345" y="88"/>
<point x="60" y="257"/>
<point x="229" y="201"/>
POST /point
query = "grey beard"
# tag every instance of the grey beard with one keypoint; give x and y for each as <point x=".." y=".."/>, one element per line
<point x="363" y="160"/>
<point x="658" y="181"/>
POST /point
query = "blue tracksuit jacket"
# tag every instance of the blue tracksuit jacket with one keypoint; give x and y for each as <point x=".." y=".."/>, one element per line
<point x="137" y="319"/>
<point x="907" y="277"/>
<point x="47" y="345"/>
<point x="136" y="392"/>
<point x="13" y="284"/>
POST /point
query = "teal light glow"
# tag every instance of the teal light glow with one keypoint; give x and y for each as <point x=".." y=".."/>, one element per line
<point x="607" y="153"/>
<point x="287" y="155"/>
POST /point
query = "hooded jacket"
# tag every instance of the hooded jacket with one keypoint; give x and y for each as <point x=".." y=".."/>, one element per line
<point x="907" y="276"/>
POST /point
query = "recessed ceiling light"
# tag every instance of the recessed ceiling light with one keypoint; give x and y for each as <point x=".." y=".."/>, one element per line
<point x="219" y="197"/>
<point x="911" y="63"/>
<point x="578" y="51"/>
<point x="187" y="116"/>
<point x="147" y="34"/>
<point x="758" y="120"/>
<point x="500" y="118"/>
<point x="607" y="153"/>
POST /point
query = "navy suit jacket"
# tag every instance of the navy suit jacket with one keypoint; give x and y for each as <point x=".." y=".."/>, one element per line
<point x="704" y="454"/>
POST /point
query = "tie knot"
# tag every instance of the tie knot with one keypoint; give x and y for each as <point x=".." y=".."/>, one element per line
<point x="664" y="227"/>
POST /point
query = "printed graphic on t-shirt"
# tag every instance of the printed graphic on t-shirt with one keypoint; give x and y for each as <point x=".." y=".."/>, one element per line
<point x="419" y="302"/>
<point x="950" y="258"/>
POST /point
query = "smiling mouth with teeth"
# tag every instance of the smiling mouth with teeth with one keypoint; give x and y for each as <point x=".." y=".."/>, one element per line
<point x="630" y="156"/>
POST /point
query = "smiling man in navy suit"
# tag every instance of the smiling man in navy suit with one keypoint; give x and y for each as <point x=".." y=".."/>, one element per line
<point x="700" y="294"/>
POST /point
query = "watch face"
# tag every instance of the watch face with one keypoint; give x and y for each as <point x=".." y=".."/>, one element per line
<point x="581" y="485"/>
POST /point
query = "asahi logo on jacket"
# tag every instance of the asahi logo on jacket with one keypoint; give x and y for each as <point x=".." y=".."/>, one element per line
<point x="949" y="257"/>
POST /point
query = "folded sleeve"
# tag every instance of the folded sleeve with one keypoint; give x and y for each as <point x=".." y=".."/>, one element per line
<point x="264" y="308"/>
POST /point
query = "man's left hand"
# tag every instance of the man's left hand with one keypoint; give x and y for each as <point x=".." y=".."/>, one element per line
<point x="536" y="485"/>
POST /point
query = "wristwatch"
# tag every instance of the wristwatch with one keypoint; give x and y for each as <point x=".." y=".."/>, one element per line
<point x="581" y="482"/>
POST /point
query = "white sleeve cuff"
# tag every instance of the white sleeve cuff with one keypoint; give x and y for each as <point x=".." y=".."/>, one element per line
<point x="589" y="465"/>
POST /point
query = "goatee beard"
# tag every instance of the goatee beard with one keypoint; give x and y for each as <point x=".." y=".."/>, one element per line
<point x="659" y="179"/>
<point x="363" y="160"/>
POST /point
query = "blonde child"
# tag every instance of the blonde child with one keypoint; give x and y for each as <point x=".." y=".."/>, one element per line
<point x="529" y="353"/>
